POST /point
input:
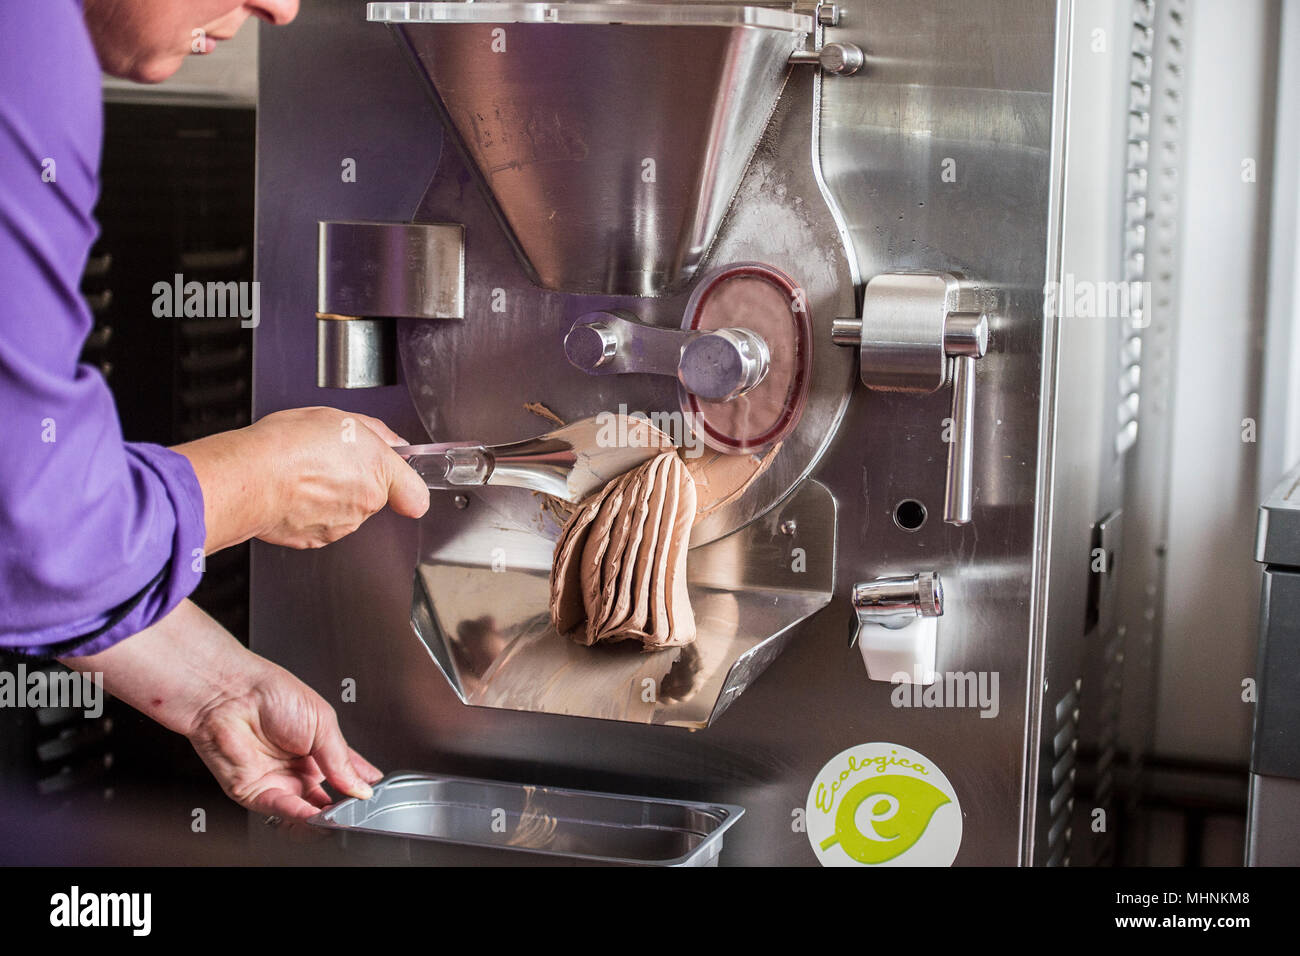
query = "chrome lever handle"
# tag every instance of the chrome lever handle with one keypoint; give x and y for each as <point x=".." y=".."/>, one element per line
<point x="448" y="465"/>
<point x="717" y="366"/>
<point x="896" y="626"/>
<point x="896" y="602"/>
<point x="913" y="338"/>
<point x="965" y="339"/>
<point x="957" y="491"/>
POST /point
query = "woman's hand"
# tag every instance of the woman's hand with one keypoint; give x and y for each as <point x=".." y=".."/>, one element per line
<point x="273" y="742"/>
<point x="301" y="478"/>
<point x="269" y="739"/>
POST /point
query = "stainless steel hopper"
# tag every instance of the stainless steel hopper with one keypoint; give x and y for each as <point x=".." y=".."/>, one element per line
<point x="610" y="137"/>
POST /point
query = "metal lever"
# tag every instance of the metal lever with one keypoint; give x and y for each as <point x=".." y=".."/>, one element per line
<point x="913" y="338"/>
<point x="897" y="626"/>
<point x="716" y="366"/>
<point x="965" y="339"/>
<point x="896" y="602"/>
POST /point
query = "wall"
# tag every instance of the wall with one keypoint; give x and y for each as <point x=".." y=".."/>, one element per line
<point x="1212" y="588"/>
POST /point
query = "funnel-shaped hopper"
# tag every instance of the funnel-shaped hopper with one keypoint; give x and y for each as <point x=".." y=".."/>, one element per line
<point x="610" y="136"/>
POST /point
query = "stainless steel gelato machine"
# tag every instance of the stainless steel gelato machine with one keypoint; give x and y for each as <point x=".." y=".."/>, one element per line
<point x="878" y="270"/>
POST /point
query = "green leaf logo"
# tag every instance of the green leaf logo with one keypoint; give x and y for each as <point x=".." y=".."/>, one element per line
<point x="901" y="809"/>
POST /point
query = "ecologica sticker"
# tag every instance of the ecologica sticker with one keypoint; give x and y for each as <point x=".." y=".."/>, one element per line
<point x="882" y="804"/>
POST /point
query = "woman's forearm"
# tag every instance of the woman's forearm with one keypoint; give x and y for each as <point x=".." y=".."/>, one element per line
<point x="238" y="493"/>
<point x="175" y="670"/>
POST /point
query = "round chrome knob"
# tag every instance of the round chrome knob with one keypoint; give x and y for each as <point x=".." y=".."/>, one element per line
<point x="588" y="347"/>
<point x="841" y="59"/>
<point x="966" y="333"/>
<point x="722" y="365"/>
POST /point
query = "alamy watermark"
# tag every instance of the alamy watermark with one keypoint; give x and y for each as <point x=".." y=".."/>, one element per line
<point x="1075" y="298"/>
<point x="615" y="430"/>
<point x="208" y="300"/>
<point x="76" y="908"/>
<point x="973" y="689"/>
<point x="51" y="688"/>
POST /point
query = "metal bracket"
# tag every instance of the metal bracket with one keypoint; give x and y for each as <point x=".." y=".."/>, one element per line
<point x="1107" y="543"/>
<point x="826" y="14"/>
<point x="370" y="272"/>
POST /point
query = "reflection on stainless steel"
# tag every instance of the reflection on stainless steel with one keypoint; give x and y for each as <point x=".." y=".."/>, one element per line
<point x="552" y="105"/>
<point x="748" y="590"/>
<point x="570" y="463"/>
<point x="513" y="818"/>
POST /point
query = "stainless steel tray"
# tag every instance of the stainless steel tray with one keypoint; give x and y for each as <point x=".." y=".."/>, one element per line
<point x="441" y="819"/>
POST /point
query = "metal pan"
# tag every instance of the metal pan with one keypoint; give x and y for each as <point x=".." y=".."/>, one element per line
<point x="444" y="820"/>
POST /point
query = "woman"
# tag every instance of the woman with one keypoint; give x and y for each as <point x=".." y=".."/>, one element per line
<point x="102" y="541"/>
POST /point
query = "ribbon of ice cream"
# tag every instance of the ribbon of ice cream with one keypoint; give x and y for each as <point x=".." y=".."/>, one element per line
<point x="619" y="570"/>
<point x="620" y="562"/>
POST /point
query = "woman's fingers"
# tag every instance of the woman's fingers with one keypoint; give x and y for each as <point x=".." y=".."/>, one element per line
<point x="334" y="758"/>
<point x="281" y="803"/>
<point x="408" y="495"/>
<point x="369" y="772"/>
<point x="379" y="428"/>
<point x="317" y="797"/>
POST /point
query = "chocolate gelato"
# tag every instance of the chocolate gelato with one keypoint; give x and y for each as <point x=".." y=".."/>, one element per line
<point x="620" y="562"/>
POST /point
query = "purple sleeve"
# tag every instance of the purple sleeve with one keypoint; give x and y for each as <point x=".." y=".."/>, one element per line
<point x="95" y="534"/>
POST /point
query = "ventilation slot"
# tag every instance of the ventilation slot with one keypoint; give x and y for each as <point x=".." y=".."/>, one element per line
<point x="1065" y="748"/>
<point x="1136" y="180"/>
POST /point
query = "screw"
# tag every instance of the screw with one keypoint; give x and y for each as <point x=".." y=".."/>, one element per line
<point x="788" y="526"/>
<point x="461" y="502"/>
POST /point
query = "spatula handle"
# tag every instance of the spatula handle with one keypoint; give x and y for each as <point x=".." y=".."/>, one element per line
<point x="449" y="464"/>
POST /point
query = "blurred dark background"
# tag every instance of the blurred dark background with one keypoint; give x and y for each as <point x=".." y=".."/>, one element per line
<point x="176" y="198"/>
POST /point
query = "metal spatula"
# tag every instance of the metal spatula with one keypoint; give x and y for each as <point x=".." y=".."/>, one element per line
<point x="570" y="462"/>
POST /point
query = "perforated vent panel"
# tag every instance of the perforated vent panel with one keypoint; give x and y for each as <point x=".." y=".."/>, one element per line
<point x="1065" y="752"/>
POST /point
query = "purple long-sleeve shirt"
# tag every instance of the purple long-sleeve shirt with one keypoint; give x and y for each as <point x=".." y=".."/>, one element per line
<point x="98" y="536"/>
